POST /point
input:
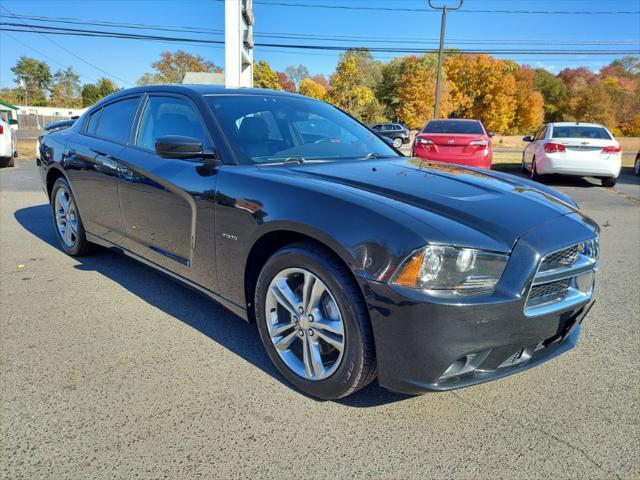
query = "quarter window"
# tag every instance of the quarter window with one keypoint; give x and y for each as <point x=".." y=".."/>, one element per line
<point x="115" y="121"/>
<point x="93" y="121"/>
<point x="169" y="116"/>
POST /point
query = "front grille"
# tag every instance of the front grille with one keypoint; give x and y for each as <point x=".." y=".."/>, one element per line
<point x="562" y="259"/>
<point x="564" y="278"/>
<point x="548" y="291"/>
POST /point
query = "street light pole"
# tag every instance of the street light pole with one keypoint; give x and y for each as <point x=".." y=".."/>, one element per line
<point x="443" y="26"/>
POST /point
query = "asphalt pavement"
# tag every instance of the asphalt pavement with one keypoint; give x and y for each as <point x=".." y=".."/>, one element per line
<point x="110" y="370"/>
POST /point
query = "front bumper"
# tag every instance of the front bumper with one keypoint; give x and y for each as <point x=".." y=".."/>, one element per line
<point x="428" y="344"/>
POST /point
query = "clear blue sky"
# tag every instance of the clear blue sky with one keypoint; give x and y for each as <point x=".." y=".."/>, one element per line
<point x="128" y="59"/>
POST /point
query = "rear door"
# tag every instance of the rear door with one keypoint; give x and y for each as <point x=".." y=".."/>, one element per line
<point x="167" y="204"/>
<point x="92" y="158"/>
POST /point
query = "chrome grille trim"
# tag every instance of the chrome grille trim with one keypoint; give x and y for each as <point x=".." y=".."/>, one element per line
<point x="564" y="279"/>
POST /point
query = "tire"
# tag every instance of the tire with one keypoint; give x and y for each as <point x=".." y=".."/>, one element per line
<point x="76" y="244"/>
<point x="523" y="169"/>
<point x="636" y="166"/>
<point x="533" y="173"/>
<point x="339" y="372"/>
<point x="608" y="182"/>
<point x="6" y="162"/>
<point x="397" y="142"/>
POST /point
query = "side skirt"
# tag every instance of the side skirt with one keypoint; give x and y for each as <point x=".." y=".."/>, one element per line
<point x="228" y="304"/>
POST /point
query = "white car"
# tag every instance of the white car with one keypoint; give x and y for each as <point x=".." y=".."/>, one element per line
<point x="573" y="148"/>
<point x="8" y="149"/>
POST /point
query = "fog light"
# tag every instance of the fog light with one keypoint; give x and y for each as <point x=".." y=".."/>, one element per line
<point x="584" y="282"/>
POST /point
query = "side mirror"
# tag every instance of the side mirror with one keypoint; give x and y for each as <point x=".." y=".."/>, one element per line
<point x="13" y="121"/>
<point x="491" y="134"/>
<point x="179" y="146"/>
<point x="527" y="138"/>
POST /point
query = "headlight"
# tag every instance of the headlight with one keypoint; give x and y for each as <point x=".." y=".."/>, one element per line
<point x="451" y="270"/>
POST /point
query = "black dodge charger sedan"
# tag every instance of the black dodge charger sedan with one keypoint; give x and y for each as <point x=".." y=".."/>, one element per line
<point x="354" y="261"/>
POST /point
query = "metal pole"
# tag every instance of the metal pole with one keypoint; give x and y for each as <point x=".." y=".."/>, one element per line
<point x="443" y="25"/>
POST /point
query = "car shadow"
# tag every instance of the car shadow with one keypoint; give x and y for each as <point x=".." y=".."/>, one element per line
<point x="563" y="180"/>
<point x="186" y="305"/>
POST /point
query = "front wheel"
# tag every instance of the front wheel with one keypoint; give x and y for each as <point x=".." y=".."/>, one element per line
<point x="314" y="323"/>
<point x="397" y="142"/>
<point x="636" y="166"/>
<point x="67" y="221"/>
<point x="533" y="173"/>
<point x="6" y="162"/>
<point x="608" y="182"/>
<point x="523" y="168"/>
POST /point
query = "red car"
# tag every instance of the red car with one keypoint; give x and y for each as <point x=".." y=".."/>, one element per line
<point x="464" y="142"/>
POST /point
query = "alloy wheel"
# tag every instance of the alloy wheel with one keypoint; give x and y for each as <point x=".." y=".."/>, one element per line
<point x="66" y="217"/>
<point x="397" y="142"/>
<point x="305" y="324"/>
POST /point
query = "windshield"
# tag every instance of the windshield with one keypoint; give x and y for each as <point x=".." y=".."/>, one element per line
<point x="575" y="131"/>
<point x="267" y="129"/>
<point x="453" y="127"/>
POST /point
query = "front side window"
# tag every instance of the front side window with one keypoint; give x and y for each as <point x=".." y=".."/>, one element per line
<point x="116" y="118"/>
<point x="267" y="129"/>
<point x="579" y="131"/>
<point x="169" y="116"/>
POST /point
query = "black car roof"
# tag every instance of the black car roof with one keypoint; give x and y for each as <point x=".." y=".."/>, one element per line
<point x="199" y="90"/>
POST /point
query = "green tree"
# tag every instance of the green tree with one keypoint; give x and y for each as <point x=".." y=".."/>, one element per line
<point x="94" y="92"/>
<point x="368" y="66"/>
<point x="554" y="92"/>
<point x="264" y="77"/>
<point x="65" y="90"/>
<point x="297" y="74"/>
<point x="172" y="66"/>
<point x="34" y="76"/>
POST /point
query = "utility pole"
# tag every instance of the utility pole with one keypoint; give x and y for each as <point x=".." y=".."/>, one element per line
<point x="238" y="43"/>
<point x="443" y="25"/>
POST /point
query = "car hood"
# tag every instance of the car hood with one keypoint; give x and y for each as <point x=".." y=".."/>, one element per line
<point x="498" y="205"/>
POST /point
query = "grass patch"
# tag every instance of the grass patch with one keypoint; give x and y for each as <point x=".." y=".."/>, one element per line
<point x="26" y="148"/>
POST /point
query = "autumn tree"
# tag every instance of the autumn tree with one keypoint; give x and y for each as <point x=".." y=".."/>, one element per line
<point x="322" y="80"/>
<point x="285" y="82"/>
<point x="348" y="90"/>
<point x="65" y="89"/>
<point x="94" y="92"/>
<point x="529" y="102"/>
<point x="264" y="76"/>
<point x="387" y="90"/>
<point x="590" y="102"/>
<point x="312" y="89"/>
<point x="416" y="92"/>
<point x="172" y="66"/>
<point x="33" y="78"/>
<point x="482" y="87"/>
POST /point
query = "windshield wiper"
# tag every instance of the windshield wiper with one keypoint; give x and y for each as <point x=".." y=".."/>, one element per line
<point x="295" y="160"/>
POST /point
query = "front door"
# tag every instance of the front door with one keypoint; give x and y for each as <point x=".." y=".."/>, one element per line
<point x="168" y="204"/>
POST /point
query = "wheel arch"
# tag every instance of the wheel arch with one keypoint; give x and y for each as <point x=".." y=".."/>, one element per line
<point x="52" y="175"/>
<point x="277" y="237"/>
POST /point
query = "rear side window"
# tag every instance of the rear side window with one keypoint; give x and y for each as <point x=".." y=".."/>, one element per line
<point x="453" y="127"/>
<point x="93" y="121"/>
<point x="169" y="116"/>
<point x="578" y="131"/>
<point x="115" y="122"/>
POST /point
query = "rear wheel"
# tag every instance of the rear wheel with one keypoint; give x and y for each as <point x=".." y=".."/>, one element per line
<point x="6" y="162"/>
<point x="636" y="166"/>
<point x="67" y="221"/>
<point x="397" y="142"/>
<point x="533" y="173"/>
<point x="608" y="182"/>
<point x="314" y="323"/>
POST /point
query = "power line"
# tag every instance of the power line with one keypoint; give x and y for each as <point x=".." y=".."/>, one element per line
<point x="424" y="10"/>
<point x="328" y="37"/>
<point x="53" y="60"/>
<point x="69" y="51"/>
<point x="12" y="27"/>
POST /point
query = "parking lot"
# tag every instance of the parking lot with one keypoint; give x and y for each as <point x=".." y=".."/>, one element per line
<point x="110" y="370"/>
